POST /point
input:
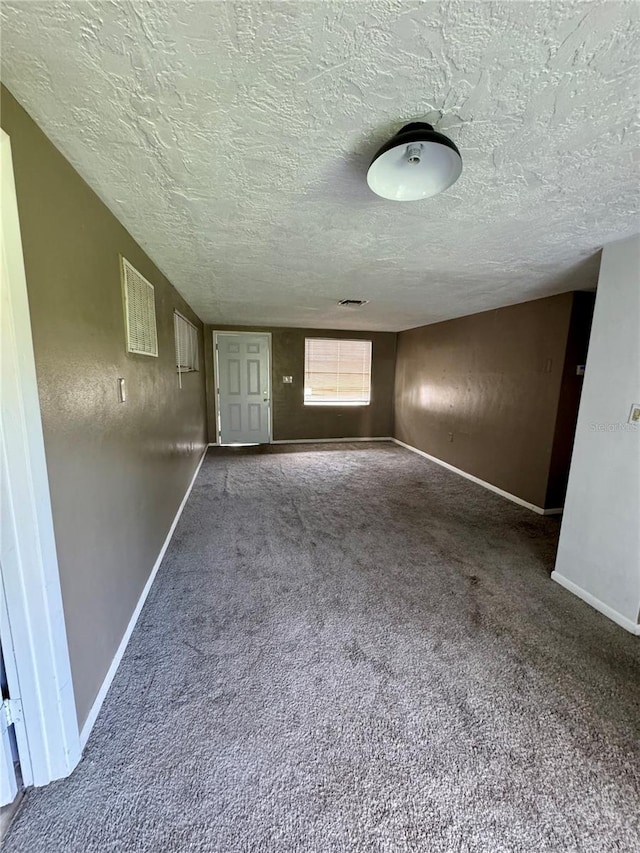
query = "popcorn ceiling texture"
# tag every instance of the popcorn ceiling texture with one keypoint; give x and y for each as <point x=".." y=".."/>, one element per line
<point x="232" y="140"/>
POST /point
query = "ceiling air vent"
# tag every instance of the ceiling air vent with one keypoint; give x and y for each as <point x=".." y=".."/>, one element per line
<point x="139" y="312"/>
<point x="353" y="303"/>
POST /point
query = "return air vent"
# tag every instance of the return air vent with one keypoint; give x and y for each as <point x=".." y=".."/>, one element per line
<point x="353" y="303"/>
<point x="139" y="312"/>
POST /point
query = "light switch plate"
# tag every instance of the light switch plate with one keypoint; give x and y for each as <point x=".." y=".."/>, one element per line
<point x="634" y="414"/>
<point x="288" y="380"/>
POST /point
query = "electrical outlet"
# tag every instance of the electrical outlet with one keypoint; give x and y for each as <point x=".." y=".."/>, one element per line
<point x="287" y="380"/>
<point x="450" y="436"/>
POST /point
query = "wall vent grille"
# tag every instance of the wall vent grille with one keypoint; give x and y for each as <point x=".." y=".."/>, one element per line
<point x="140" y="312"/>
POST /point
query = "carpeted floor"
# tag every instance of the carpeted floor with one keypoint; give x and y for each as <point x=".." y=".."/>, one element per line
<point x="349" y="648"/>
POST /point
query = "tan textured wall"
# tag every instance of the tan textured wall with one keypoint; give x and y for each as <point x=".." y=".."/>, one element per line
<point x="117" y="471"/>
<point x="475" y="392"/>
<point x="291" y="418"/>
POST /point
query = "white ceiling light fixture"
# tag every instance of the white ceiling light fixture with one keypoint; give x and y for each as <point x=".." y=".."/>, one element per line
<point x="418" y="162"/>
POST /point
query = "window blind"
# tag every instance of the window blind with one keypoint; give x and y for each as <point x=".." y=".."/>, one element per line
<point x="140" y="312"/>
<point x="337" y="372"/>
<point x="186" y="338"/>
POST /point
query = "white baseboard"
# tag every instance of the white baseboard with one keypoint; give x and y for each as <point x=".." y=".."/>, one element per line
<point x="514" y="498"/>
<point x="106" y="684"/>
<point x="623" y="621"/>
<point x="329" y="440"/>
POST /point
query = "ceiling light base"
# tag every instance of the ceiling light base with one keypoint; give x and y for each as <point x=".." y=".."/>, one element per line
<point x="418" y="162"/>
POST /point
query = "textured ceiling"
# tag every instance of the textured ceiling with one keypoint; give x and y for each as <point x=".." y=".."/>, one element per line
<point x="232" y="140"/>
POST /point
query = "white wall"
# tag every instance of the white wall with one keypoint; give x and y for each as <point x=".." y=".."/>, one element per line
<point x="599" y="550"/>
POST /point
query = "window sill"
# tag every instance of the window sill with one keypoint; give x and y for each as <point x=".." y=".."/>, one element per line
<point x="337" y="405"/>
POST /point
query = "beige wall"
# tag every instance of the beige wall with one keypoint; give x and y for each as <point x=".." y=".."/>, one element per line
<point x="291" y="418"/>
<point x="483" y="393"/>
<point x="117" y="471"/>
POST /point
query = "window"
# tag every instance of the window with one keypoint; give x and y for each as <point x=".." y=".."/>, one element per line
<point x="139" y="311"/>
<point x="186" y="338"/>
<point x="337" y="372"/>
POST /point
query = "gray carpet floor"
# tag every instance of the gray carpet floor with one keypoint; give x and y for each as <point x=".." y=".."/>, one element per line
<point x="349" y="648"/>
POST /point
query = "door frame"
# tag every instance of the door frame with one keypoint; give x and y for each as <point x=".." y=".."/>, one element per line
<point x="216" y="386"/>
<point x="32" y="625"/>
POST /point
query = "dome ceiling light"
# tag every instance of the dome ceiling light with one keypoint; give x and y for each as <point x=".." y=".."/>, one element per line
<point x="418" y="162"/>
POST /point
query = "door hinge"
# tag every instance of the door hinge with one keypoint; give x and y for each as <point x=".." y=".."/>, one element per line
<point x="12" y="711"/>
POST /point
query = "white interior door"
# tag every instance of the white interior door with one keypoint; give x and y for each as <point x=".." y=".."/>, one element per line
<point x="244" y="387"/>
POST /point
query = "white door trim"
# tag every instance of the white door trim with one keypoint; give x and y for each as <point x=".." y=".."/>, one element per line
<point x="32" y="626"/>
<point x="216" y="386"/>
